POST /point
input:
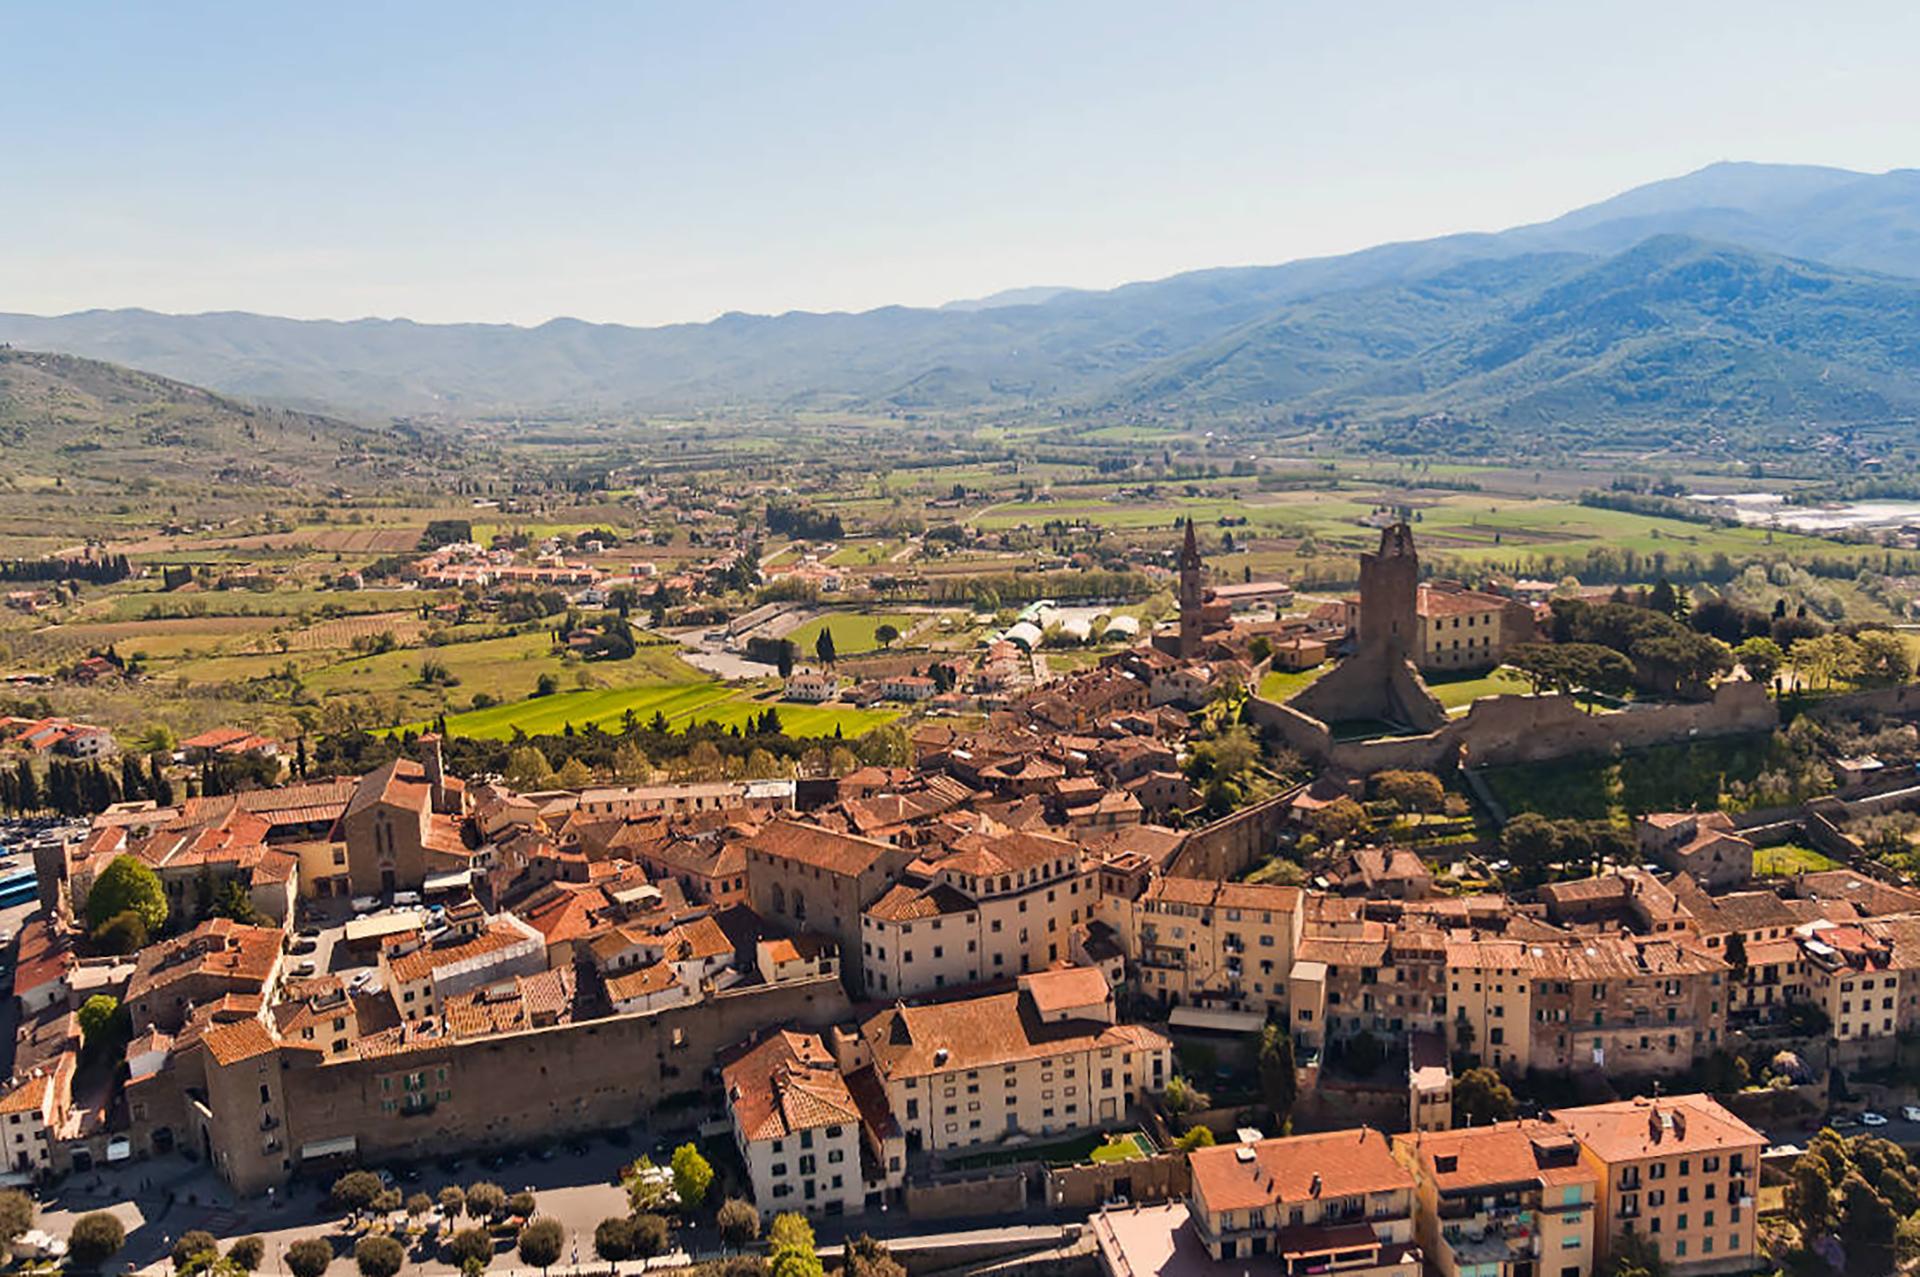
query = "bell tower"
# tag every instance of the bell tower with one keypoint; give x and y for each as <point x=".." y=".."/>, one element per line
<point x="1192" y="596"/>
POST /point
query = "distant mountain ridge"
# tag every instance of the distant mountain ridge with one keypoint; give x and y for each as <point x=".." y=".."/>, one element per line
<point x="1732" y="293"/>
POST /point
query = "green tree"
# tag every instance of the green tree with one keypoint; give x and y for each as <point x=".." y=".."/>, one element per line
<point x="866" y="1256"/>
<point x="1481" y="1097"/>
<point x="127" y="885"/>
<point x="122" y="934"/>
<point x="95" y="1238"/>
<point x="1279" y="1082"/>
<point x="573" y="774"/>
<point x="1761" y="658"/>
<point x="195" y="1248"/>
<point x="528" y="769"/>
<point x="650" y="1236"/>
<point x="823" y="646"/>
<point x="613" y="1238"/>
<point x="542" y="1242"/>
<point x="885" y="634"/>
<point x="309" y="1257"/>
<point x="521" y="1204"/>
<point x="1634" y="1255"/>
<point x="1196" y="1137"/>
<point x="1810" y="1197"/>
<point x="470" y="1246"/>
<point x="1410" y="790"/>
<point x="739" y="1222"/>
<point x="692" y="1175"/>
<point x="792" y="1248"/>
<point x="485" y="1199"/>
<point x="103" y="1027"/>
<point x="1883" y="657"/>
<point x="16" y="1213"/>
<point x="356" y="1190"/>
<point x="418" y="1204"/>
<point x="248" y="1252"/>
<point x="1341" y="818"/>
<point x="453" y="1200"/>
<point x="1871" y="1225"/>
<point x="378" y="1255"/>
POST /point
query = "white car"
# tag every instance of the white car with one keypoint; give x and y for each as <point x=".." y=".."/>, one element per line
<point x="1911" y="1113"/>
<point x="365" y="904"/>
<point x="1871" y="1118"/>
<point x="304" y="967"/>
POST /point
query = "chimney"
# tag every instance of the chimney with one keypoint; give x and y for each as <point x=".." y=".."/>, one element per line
<point x="1313" y="1189"/>
<point x="435" y="770"/>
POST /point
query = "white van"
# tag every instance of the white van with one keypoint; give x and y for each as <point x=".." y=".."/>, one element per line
<point x="405" y="899"/>
<point x="365" y="904"/>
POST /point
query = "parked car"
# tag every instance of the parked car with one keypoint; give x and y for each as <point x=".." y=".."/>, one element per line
<point x="1870" y="1118"/>
<point x="365" y="904"/>
<point x="305" y="967"/>
<point x="1911" y="1113"/>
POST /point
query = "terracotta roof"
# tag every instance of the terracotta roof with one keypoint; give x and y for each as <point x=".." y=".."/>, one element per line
<point x="1526" y="1152"/>
<point x="1341" y="1163"/>
<point x="1065" y="988"/>
<point x="657" y="978"/>
<point x="32" y="1096"/>
<point x="240" y="1040"/>
<point x="1632" y="1129"/>
<point x="424" y="961"/>
<point x="217" y="947"/>
<point x="787" y="1083"/>
<point x="1207" y="893"/>
<point x="819" y="848"/>
<point x="969" y="1033"/>
<point x="907" y="901"/>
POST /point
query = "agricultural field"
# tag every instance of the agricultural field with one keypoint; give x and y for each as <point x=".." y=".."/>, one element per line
<point x="853" y="632"/>
<point x="681" y="703"/>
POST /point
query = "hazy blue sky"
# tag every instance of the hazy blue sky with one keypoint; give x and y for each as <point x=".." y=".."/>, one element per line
<point x="648" y="164"/>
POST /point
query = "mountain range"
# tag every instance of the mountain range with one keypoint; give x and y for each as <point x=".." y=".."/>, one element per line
<point x="1741" y="296"/>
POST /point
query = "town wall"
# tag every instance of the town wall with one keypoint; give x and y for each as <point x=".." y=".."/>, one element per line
<point x="1232" y="845"/>
<point x="1159" y="1178"/>
<point x="1503" y="730"/>
<point x="539" y="1085"/>
<point x="996" y="1192"/>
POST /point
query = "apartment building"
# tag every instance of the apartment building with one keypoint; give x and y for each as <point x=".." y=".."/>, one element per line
<point x="1853" y="974"/>
<point x="996" y="906"/>
<point x="1510" y="1200"/>
<point x="796" y="1125"/>
<point x="1368" y="977"/>
<point x="1047" y="1059"/>
<point x="1335" y="1202"/>
<point x="31" y="1114"/>
<point x="808" y="878"/>
<point x="1626" y="1004"/>
<point x="1679" y="1171"/>
<point x="420" y="974"/>
<point x="1219" y="945"/>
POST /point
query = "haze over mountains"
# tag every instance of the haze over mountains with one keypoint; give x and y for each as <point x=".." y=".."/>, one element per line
<point x="1740" y="295"/>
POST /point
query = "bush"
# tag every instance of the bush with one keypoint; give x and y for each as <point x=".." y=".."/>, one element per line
<point x="379" y="1256"/>
<point x="95" y="1238"/>
<point x="521" y="1204"/>
<point x="309" y="1257"/>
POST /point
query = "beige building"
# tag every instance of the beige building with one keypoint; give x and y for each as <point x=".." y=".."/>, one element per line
<point x="1510" y="1200"/>
<point x="1045" y="1060"/>
<point x="796" y="1126"/>
<point x="1335" y="1202"/>
<point x="1220" y="945"/>
<point x="402" y="824"/>
<point x="996" y="906"/>
<point x="1680" y="1171"/>
<point x="31" y="1114"/>
<point x="805" y="878"/>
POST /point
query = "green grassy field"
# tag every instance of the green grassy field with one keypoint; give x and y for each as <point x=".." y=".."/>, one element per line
<point x="1461" y="693"/>
<point x="1666" y="778"/>
<point x="681" y="703"/>
<point x="1278" y="685"/>
<point x="852" y="631"/>
<point x="1790" y="858"/>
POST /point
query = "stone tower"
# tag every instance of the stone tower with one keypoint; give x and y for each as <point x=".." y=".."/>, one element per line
<point x="1192" y="596"/>
<point x="1389" y="593"/>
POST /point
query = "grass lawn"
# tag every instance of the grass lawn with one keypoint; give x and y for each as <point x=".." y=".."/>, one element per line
<point x="1128" y="1147"/>
<point x="1093" y="1146"/>
<point x="1790" y="858"/>
<point x="1665" y="778"/>
<point x="852" y="631"/>
<point x="1278" y="685"/>
<point x="1461" y="692"/>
